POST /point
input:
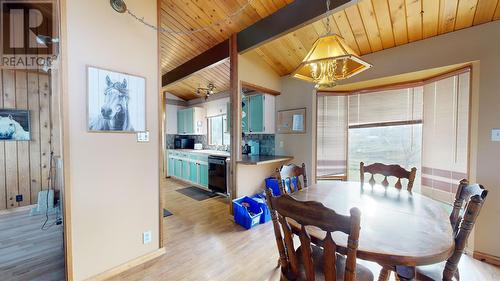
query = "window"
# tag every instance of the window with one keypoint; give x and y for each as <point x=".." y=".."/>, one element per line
<point x="425" y="126"/>
<point x="218" y="131"/>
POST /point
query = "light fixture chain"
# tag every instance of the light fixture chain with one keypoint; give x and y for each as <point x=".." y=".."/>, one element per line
<point x="328" y="29"/>
<point x="204" y="28"/>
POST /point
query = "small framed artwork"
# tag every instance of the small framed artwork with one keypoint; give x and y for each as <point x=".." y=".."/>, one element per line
<point x="291" y="121"/>
<point x="15" y="125"/>
<point x="116" y="101"/>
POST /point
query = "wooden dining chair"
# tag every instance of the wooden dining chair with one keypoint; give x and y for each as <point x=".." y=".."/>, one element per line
<point x="474" y="196"/>
<point x="388" y="171"/>
<point x="289" y="178"/>
<point x="310" y="262"/>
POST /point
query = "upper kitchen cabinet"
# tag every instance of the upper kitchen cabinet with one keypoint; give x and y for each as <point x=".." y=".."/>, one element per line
<point x="191" y="121"/>
<point x="258" y="114"/>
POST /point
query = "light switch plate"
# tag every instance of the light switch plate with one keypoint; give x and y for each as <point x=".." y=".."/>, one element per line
<point x="146" y="237"/>
<point x="495" y="135"/>
<point x="143" y="136"/>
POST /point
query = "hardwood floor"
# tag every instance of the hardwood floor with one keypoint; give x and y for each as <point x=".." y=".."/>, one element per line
<point x="203" y="243"/>
<point x="27" y="252"/>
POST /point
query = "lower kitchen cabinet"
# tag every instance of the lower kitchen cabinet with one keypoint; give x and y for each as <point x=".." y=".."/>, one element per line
<point x="171" y="166"/>
<point x="203" y="179"/>
<point x="178" y="168"/>
<point x="191" y="167"/>
<point x="193" y="172"/>
<point x="185" y="170"/>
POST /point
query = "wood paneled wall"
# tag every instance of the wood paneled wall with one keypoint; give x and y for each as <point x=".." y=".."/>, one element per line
<point x="25" y="165"/>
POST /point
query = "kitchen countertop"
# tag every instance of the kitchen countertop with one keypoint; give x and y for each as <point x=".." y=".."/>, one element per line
<point x="261" y="159"/>
<point x="205" y="151"/>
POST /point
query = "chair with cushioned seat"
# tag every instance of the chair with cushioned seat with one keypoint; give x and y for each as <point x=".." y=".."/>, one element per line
<point x="309" y="261"/>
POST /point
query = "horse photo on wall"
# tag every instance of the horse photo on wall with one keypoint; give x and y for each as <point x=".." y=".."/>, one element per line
<point x="116" y="101"/>
<point x="15" y="125"/>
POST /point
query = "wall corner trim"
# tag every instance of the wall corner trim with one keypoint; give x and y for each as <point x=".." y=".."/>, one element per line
<point x="128" y="265"/>
<point x="487" y="258"/>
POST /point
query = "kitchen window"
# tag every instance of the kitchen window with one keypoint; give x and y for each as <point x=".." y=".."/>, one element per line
<point x="424" y="126"/>
<point x="218" y="133"/>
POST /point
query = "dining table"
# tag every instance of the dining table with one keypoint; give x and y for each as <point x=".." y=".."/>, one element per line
<point x="398" y="227"/>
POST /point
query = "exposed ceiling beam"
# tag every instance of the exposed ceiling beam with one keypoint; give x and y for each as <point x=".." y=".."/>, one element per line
<point x="289" y="18"/>
<point x="208" y="58"/>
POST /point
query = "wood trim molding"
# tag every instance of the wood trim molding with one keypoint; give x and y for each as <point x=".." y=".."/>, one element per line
<point x="487" y="258"/>
<point x="396" y="86"/>
<point x="258" y="88"/>
<point x="235" y="115"/>
<point x="128" y="265"/>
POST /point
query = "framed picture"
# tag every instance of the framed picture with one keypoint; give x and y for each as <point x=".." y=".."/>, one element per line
<point x="15" y="125"/>
<point x="116" y="101"/>
<point x="291" y="121"/>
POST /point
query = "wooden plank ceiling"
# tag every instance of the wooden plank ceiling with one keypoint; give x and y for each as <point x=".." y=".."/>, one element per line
<point x="186" y="15"/>
<point x="186" y="88"/>
<point x="368" y="26"/>
<point x="374" y="25"/>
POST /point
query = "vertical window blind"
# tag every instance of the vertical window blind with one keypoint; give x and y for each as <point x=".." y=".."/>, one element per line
<point x="332" y="136"/>
<point x="426" y="126"/>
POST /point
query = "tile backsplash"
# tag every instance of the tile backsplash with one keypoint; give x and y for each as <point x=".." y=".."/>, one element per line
<point x="197" y="139"/>
<point x="266" y="142"/>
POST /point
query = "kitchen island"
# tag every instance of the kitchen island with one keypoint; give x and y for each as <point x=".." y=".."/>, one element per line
<point x="263" y="159"/>
<point x="254" y="169"/>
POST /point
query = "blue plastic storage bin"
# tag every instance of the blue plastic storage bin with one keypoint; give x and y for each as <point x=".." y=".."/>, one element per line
<point x="272" y="183"/>
<point x="242" y="216"/>
<point x="266" y="215"/>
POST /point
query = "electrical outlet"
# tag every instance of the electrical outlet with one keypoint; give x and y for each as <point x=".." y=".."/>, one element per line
<point x="146" y="237"/>
<point x="19" y="198"/>
<point x="282" y="144"/>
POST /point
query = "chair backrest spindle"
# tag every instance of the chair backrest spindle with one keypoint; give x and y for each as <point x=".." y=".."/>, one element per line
<point x="388" y="171"/>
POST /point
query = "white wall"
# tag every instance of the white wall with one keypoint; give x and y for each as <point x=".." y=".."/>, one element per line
<point x="298" y="94"/>
<point x="112" y="181"/>
<point x="252" y="69"/>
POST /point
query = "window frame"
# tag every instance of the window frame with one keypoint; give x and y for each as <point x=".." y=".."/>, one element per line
<point x="395" y="86"/>
<point x="209" y="129"/>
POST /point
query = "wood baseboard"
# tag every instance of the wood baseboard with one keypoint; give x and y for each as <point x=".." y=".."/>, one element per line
<point x="17" y="209"/>
<point x="126" y="266"/>
<point x="494" y="260"/>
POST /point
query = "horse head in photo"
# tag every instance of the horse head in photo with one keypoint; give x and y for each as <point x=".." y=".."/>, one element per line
<point x="10" y="129"/>
<point x="114" y="115"/>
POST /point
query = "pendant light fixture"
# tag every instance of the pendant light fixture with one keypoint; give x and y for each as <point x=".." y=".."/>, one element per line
<point x="329" y="60"/>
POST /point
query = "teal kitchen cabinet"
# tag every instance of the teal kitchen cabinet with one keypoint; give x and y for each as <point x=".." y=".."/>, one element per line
<point x="185" y="169"/>
<point x="180" y="121"/>
<point x="171" y="165"/>
<point x="191" y="121"/>
<point x="178" y="168"/>
<point x="258" y="114"/>
<point x="244" y="114"/>
<point x="203" y="179"/>
<point x="193" y="171"/>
